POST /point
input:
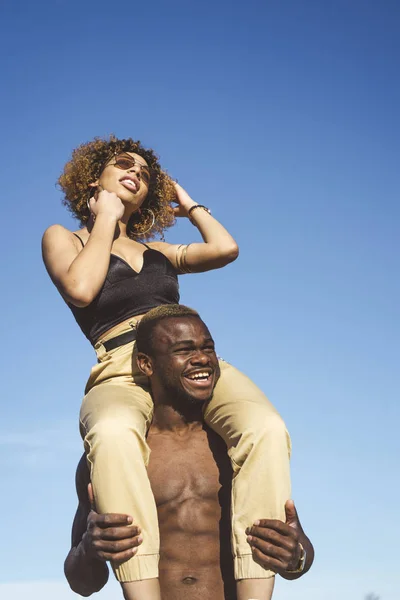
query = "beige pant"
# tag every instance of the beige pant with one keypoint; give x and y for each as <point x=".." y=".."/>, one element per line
<point x="115" y="416"/>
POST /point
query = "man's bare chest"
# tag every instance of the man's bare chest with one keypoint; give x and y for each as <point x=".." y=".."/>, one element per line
<point x="184" y="468"/>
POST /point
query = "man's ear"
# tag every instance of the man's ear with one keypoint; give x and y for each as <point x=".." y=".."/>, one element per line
<point x="145" y="364"/>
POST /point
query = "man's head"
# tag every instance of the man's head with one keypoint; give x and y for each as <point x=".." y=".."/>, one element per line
<point x="176" y="351"/>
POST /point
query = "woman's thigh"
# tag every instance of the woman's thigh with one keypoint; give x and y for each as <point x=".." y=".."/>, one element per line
<point x="239" y="406"/>
<point x="117" y="403"/>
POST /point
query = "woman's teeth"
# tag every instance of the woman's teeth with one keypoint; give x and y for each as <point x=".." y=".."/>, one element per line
<point x="129" y="184"/>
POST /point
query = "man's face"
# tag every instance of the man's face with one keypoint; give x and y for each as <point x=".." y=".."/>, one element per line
<point x="185" y="366"/>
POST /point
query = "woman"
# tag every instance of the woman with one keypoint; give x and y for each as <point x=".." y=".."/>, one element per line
<point x="110" y="279"/>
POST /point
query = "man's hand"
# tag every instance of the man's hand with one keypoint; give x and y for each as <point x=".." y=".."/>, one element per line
<point x="110" y="536"/>
<point x="275" y="544"/>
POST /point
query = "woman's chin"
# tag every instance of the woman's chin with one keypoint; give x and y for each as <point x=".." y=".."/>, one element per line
<point x="132" y="203"/>
<point x="135" y="200"/>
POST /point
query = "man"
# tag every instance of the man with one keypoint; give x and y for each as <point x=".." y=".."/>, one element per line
<point x="190" y="475"/>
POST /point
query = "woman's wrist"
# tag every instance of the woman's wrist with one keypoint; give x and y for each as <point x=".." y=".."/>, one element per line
<point x="107" y="217"/>
<point x="104" y="226"/>
<point x="195" y="208"/>
<point x="188" y="205"/>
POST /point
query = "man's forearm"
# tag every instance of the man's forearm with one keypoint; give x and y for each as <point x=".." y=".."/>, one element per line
<point x="85" y="575"/>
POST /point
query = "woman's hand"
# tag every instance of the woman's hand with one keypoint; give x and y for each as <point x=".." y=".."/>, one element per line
<point x="184" y="201"/>
<point x="218" y="247"/>
<point x="79" y="273"/>
<point x="106" y="203"/>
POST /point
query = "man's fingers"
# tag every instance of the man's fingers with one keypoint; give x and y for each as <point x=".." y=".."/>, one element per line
<point x="118" y="558"/>
<point x="271" y="550"/>
<point x="117" y="552"/>
<point x="115" y="547"/>
<point x="292" y="518"/>
<point x="267" y="563"/>
<point x="119" y="533"/>
<point x="273" y="525"/>
<point x="288" y="542"/>
<point x="112" y="519"/>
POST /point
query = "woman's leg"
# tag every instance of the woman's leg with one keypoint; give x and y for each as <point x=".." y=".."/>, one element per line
<point x="147" y="589"/>
<point x="115" y="416"/>
<point x="259" y="449"/>
<point x="255" y="589"/>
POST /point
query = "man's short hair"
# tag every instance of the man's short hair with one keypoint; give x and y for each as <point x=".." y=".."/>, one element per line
<point x="147" y="324"/>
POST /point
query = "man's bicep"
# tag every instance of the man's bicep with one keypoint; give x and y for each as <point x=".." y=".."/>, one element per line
<point x="82" y="481"/>
<point x="79" y="524"/>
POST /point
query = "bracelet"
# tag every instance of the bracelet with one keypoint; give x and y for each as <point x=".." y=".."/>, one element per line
<point x="194" y="208"/>
<point x="181" y="263"/>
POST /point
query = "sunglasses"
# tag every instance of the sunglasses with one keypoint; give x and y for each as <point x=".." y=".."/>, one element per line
<point x="126" y="162"/>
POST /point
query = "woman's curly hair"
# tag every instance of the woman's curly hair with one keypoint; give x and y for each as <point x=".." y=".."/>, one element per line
<point x="85" y="167"/>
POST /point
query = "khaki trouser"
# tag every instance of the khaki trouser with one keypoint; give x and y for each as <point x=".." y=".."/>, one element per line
<point x="115" y="416"/>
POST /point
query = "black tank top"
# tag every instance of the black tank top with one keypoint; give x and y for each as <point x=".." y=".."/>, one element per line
<point x="127" y="293"/>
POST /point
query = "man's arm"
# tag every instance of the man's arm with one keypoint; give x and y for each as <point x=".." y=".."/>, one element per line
<point x="85" y="575"/>
<point x="278" y="546"/>
<point x="96" y="539"/>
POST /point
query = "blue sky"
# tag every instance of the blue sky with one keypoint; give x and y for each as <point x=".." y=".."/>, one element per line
<point x="283" y="118"/>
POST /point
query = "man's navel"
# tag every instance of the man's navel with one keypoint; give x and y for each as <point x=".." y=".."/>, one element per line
<point x="189" y="580"/>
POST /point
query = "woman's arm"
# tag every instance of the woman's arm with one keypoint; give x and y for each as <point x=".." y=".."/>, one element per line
<point x="218" y="249"/>
<point x="80" y="273"/>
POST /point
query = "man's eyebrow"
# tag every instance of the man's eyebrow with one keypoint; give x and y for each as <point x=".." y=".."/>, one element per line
<point x="190" y="342"/>
<point x="208" y="340"/>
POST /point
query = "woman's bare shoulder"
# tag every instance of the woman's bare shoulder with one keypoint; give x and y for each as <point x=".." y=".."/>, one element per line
<point x="169" y="250"/>
<point x="157" y="245"/>
<point x="163" y="247"/>
<point x="58" y="232"/>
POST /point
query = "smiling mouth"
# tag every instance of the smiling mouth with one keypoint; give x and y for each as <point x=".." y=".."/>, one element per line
<point x="130" y="184"/>
<point x="200" y="378"/>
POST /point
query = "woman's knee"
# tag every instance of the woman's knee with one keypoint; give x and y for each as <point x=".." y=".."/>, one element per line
<point x="116" y="428"/>
<point x="267" y="429"/>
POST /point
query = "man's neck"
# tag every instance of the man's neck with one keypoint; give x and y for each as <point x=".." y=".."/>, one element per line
<point x="168" y="418"/>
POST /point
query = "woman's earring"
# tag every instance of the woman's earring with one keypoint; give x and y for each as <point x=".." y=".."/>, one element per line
<point x="144" y="221"/>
